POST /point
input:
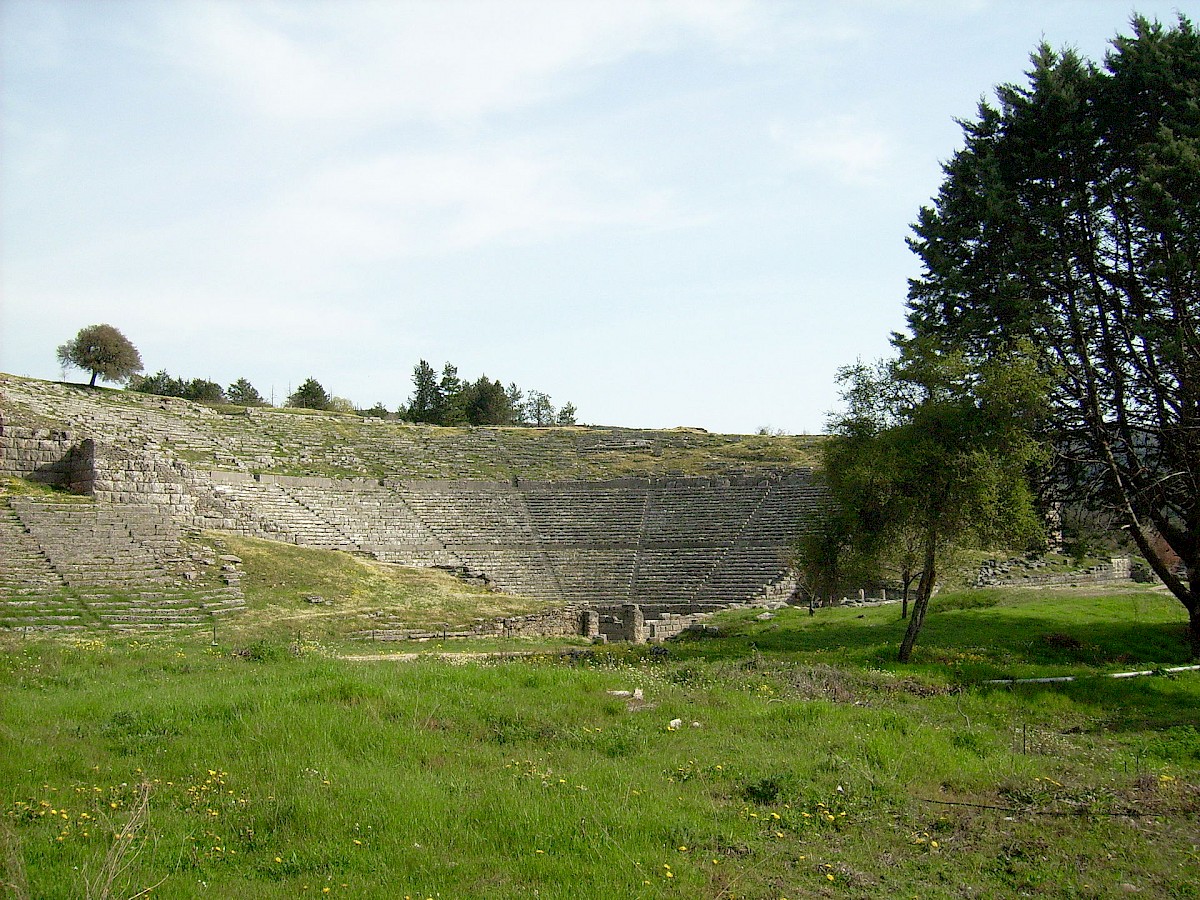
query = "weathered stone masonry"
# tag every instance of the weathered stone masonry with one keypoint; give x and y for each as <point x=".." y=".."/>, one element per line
<point x="646" y="555"/>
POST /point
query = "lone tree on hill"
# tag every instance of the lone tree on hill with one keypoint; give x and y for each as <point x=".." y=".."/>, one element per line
<point x="103" y="351"/>
<point x="1071" y="219"/>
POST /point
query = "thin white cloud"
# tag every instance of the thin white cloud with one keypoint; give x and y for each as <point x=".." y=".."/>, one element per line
<point x="397" y="205"/>
<point x="443" y="61"/>
<point x="847" y="147"/>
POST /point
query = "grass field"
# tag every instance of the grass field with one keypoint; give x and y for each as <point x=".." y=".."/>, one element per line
<point x="784" y="758"/>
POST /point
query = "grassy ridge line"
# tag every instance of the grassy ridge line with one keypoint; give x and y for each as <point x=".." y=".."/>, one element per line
<point x="812" y="770"/>
<point x="283" y="441"/>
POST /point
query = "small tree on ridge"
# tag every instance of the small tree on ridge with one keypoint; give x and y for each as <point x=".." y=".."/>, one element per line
<point x="103" y="351"/>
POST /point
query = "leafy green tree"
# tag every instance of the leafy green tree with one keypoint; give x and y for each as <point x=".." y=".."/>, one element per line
<point x="102" y="350"/>
<point x="452" y="410"/>
<point x="243" y="393"/>
<point x="566" y="415"/>
<point x="865" y="536"/>
<point x="427" y="400"/>
<point x="516" y="404"/>
<point x="310" y="395"/>
<point x="931" y="452"/>
<point x="1071" y="218"/>
<point x="539" y="411"/>
<point x="160" y="384"/>
<point x="485" y="402"/>
<point x="202" y="390"/>
<point x="825" y="554"/>
<point x="378" y="411"/>
<point x="447" y="399"/>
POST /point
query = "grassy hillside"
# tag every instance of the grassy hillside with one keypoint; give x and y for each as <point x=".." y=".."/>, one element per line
<point x="804" y="763"/>
<point x="325" y="594"/>
<point x="303" y="442"/>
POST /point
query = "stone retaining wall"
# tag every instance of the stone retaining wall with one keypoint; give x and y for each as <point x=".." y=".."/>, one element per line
<point x="47" y="456"/>
<point x="628" y="623"/>
<point x="1024" y="573"/>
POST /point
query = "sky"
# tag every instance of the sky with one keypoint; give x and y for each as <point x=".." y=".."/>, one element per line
<point x="676" y="213"/>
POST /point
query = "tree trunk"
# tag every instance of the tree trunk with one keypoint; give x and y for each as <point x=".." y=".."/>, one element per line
<point x="906" y="577"/>
<point x="921" y="604"/>
<point x="1187" y="593"/>
<point x="92" y="383"/>
<point x="1194" y="629"/>
<point x="1194" y="612"/>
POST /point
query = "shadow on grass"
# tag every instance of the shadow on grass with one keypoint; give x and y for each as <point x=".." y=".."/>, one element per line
<point x="1120" y="704"/>
<point x="975" y="643"/>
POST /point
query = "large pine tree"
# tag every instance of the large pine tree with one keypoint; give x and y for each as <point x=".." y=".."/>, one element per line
<point x="1071" y="217"/>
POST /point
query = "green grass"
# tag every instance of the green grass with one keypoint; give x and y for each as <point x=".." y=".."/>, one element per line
<point x="21" y="487"/>
<point x="358" y="593"/>
<point x="973" y="635"/>
<point x="816" y="767"/>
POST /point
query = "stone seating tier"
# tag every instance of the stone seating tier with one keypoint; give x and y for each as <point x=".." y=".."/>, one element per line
<point x="294" y="442"/>
<point x="530" y="509"/>
<point x="74" y="565"/>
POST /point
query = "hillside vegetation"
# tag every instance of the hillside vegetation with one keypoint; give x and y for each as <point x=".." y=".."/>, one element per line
<point x="303" y="442"/>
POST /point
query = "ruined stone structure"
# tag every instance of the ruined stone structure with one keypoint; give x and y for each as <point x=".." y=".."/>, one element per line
<point x="659" y="541"/>
<point x="673" y="546"/>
